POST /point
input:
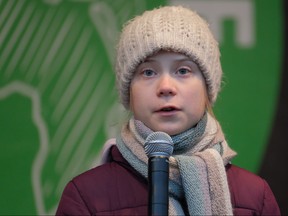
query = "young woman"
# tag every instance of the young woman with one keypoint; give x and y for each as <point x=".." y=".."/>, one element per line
<point x="168" y="75"/>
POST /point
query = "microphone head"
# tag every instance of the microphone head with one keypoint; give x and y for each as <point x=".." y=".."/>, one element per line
<point x="158" y="144"/>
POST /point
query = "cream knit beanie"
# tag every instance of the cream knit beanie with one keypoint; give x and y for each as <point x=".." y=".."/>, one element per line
<point x="172" y="28"/>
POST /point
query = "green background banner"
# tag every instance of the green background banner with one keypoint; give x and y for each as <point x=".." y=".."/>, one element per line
<point x="58" y="102"/>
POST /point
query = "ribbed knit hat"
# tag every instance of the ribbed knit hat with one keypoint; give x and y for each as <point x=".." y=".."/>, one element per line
<point x="172" y="28"/>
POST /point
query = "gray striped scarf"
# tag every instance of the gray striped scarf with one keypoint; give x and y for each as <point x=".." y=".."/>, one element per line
<point x="197" y="177"/>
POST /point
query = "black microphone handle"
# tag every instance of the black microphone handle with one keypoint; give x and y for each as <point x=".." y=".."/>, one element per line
<point x="158" y="178"/>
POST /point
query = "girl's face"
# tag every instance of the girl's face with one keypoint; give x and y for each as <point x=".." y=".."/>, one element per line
<point x="168" y="93"/>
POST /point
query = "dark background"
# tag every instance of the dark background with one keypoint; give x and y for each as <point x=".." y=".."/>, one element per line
<point x="274" y="166"/>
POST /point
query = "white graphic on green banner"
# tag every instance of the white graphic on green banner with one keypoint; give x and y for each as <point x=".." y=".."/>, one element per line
<point x="216" y="11"/>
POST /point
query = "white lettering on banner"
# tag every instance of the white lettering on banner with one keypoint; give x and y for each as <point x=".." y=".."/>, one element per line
<point x="216" y="11"/>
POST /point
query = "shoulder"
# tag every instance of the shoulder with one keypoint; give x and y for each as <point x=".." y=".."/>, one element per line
<point x="116" y="171"/>
<point x="246" y="188"/>
<point x="106" y="189"/>
<point x="114" y="182"/>
<point x="242" y="177"/>
<point x="249" y="191"/>
<point x="105" y="177"/>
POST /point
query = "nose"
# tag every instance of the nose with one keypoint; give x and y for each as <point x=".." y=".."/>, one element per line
<point x="166" y="86"/>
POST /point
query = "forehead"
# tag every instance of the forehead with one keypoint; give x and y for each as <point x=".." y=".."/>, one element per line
<point x="167" y="54"/>
<point x="168" y="58"/>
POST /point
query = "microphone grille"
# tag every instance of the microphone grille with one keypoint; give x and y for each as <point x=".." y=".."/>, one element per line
<point x="158" y="144"/>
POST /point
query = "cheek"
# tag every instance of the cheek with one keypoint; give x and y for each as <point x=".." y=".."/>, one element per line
<point x="199" y="97"/>
<point x="135" y="97"/>
<point x="132" y="102"/>
<point x="136" y="106"/>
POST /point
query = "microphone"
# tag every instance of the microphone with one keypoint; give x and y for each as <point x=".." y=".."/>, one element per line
<point x="158" y="147"/>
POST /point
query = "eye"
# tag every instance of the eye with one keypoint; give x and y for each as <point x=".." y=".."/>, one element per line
<point x="183" y="71"/>
<point x="148" y="72"/>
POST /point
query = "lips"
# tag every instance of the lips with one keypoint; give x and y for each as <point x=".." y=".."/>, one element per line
<point x="167" y="109"/>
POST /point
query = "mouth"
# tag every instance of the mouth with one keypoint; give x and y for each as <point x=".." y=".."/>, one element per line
<point x="168" y="109"/>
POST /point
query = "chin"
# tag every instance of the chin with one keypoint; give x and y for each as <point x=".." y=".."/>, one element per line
<point x="171" y="132"/>
<point x="170" y="129"/>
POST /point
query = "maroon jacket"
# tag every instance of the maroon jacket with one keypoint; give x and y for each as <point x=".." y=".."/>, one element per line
<point x="116" y="188"/>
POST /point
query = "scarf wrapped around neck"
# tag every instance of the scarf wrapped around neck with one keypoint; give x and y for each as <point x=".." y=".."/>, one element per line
<point x="197" y="178"/>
